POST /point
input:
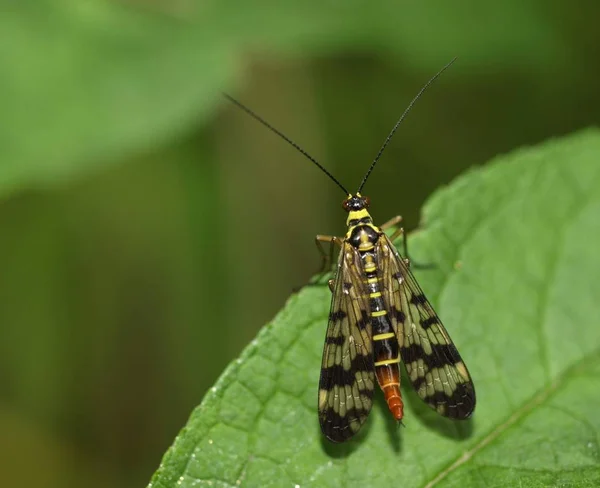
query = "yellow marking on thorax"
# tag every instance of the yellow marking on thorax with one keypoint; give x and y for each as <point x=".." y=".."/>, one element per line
<point x="365" y="243"/>
<point x="387" y="361"/>
<point x="357" y="215"/>
<point x="380" y="313"/>
<point x="375" y="294"/>
<point x="380" y="337"/>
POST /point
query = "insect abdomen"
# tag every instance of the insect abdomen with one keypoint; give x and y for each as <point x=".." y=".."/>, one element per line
<point x="386" y="354"/>
<point x="386" y="360"/>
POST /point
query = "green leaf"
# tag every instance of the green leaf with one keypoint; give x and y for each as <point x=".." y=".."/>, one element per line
<point x="516" y="244"/>
<point x="84" y="84"/>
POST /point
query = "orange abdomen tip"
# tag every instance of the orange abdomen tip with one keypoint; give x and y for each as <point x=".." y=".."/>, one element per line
<point x="394" y="401"/>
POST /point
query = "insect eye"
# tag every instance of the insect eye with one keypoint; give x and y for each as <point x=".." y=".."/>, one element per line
<point x="367" y="201"/>
<point x="345" y="205"/>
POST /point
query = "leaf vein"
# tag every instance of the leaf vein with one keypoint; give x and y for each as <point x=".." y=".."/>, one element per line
<point x="513" y="420"/>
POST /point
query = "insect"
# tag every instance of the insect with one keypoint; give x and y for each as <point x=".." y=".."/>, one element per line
<point x="380" y="317"/>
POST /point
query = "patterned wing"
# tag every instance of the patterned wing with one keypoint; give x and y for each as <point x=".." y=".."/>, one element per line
<point x="347" y="371"/>
<point x="436" y="370"/>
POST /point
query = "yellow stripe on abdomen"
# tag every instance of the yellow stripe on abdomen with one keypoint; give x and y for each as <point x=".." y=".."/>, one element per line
<point x="387" y="361"/>
<point x="379" y="313"/>
<point x="380" y="337"/>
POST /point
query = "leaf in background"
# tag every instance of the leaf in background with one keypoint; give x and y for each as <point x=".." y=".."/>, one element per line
<point x="517" y="247"/>
<point x="84" y="84"/>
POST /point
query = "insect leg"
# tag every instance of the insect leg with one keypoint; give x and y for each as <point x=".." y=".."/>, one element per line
<point x="393" y="222"/>
<point x="397" y="233"/>
<point x="326" y="255"/>
<point x="326" y="259"/>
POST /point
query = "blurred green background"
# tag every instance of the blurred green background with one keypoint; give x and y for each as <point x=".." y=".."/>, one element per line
<point x="148" y="228"/>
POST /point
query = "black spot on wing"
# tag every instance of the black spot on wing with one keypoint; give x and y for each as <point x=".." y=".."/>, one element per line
<point x="337" y="375"/>
<point x="429" y="321"/>
<point x="337" y="316"/>
<point x="364" y="320"/>
<point x="418" y="299"/>
<point x="397" y="314"/>
<point x="441" y="355"/>
<point x="339" y="429"/>
<point x="459" y="406"/>
<point x="336" y="341"/>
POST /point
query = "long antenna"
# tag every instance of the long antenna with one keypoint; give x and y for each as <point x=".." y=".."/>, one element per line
<point x="410" y="105"/>
<point x="285" y="138"/>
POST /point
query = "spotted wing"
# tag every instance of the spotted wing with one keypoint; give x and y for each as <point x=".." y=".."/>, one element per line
<point x="347" y="371"/>
<point x="434" y="366"/>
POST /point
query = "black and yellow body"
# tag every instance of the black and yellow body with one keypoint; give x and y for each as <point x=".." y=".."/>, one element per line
<point x="380" y="317"/>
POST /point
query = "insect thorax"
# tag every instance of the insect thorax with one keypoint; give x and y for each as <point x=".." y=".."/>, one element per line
<point x="363" y="237"/>
<point x="362" y="233"/>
